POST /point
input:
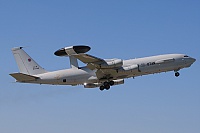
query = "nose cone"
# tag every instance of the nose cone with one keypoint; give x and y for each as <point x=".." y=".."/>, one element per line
<point x="193" y="60"/>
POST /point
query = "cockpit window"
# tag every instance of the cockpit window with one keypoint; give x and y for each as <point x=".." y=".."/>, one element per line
<point x="186" y="56"/>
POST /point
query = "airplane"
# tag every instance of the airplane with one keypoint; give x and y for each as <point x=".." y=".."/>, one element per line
<point x="98" y="72"/>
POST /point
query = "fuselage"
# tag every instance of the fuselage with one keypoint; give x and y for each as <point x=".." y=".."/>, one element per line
<point x="130" y="68"/>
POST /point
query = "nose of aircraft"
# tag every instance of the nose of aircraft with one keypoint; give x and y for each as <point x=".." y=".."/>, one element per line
<point x="192" y="60"/>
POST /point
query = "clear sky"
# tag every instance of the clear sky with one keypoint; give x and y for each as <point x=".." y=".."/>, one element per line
<point x="159" y="103"/>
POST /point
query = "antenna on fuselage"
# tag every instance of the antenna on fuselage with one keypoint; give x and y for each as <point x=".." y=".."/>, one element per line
<point x="73" y="62"/>
<point x="72" y="50"/>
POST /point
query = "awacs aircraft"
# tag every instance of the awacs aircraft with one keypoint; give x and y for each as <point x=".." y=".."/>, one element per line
<point x="98" y="72"/>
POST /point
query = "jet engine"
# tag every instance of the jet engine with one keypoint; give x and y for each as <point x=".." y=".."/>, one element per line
<point x="132" y="68"/>
<point x="112" y="63"/>
<point x="94" y="85"/>
<point x="118" y="81"/>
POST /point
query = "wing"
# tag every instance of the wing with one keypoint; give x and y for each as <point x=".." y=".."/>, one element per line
<point x="106" y="68"/>
<point x="86" y="58"/>
<point x="91" y="61"/>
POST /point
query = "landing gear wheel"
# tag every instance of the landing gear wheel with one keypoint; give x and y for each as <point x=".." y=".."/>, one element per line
<point x="107" y="87"/>
<point x="106" y="83"/>
<point x="101" y="88"/>
<point x="177" y="74"/>
<point x="111" y="83"/>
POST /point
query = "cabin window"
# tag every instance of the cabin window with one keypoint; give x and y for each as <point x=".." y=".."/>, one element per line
<point x="64" y="80"/>
<point x="186" y="56"/>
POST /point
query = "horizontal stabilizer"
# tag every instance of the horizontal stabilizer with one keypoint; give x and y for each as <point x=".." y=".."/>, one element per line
<point x="23" y="77"/>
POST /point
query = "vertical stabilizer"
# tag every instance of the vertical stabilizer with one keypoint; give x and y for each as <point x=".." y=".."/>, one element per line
<point x="73" y="62"/>
<point x="25" y="63"/>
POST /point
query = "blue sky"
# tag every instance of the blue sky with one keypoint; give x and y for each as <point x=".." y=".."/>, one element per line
<point x="114" y="29"/>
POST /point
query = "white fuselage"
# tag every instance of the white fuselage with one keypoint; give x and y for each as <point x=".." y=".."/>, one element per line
<point x="142" y="66"/>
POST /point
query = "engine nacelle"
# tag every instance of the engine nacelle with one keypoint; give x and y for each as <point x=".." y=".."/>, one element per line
<point x="132" y="68"/>
<point x="67" y="51"/>
<point x="113" y="63"/>
<point x="118" y="81"/>
<point x="92" y="85"/>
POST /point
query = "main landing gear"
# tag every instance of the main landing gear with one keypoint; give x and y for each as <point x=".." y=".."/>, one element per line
<point x="106" y="85"/>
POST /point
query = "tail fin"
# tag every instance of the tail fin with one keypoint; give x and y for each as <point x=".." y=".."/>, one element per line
<point x="25" y="63"/>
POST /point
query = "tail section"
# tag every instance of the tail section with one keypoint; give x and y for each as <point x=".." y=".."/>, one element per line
<point x="25" y="63"/>
<point x="20" y="77"/>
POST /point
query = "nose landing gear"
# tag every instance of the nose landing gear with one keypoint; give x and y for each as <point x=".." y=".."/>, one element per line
<point x="177" y="74"/>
